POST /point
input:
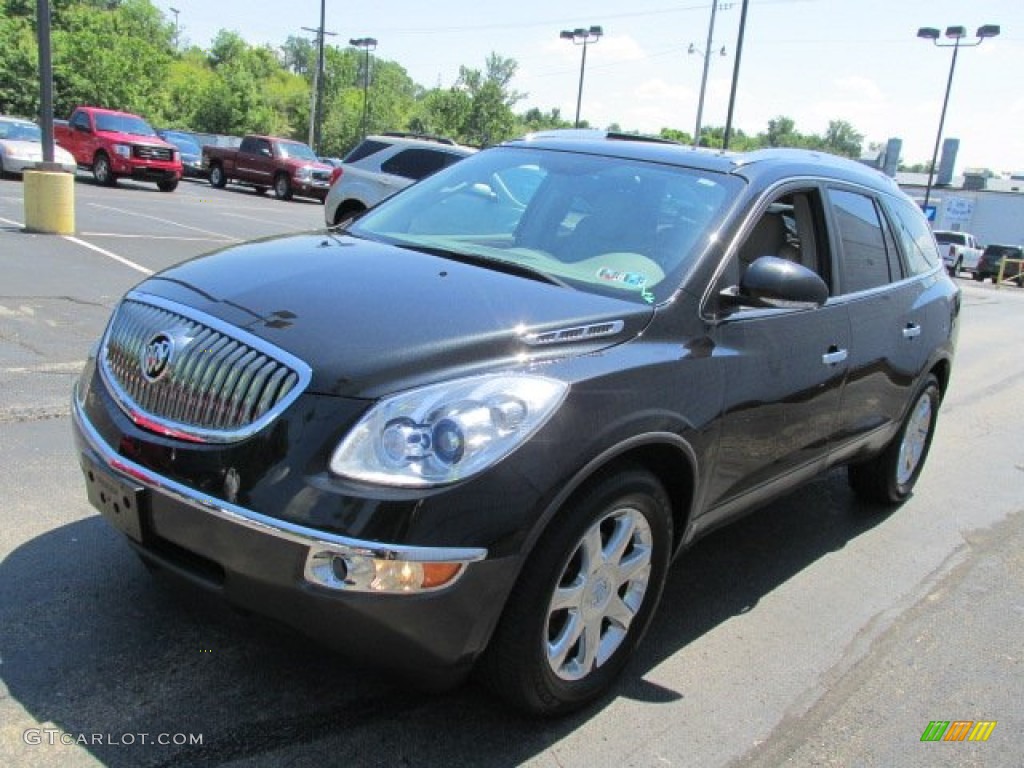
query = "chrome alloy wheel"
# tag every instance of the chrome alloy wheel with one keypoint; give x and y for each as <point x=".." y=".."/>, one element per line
<point x="599" y="593"/>
<point x="915" y="439"/>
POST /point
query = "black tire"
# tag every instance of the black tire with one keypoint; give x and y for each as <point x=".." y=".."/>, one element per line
<point x="282" y="187"/>
<point x="347" y="212"/>
<point x="218" y="179"/>
<point x="889" y="478"/>
<point x="101" y="170"/>
<point x="167" y="186"/>
<point x="978" y="277"/>
<point x="523" y="662"/>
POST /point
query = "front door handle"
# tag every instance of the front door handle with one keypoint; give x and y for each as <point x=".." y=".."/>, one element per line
<point x="834" y="356"/>
<point x="912" y="330"/>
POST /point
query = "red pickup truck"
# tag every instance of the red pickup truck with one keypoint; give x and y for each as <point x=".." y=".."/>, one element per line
<point x="267" y="162"/>
<point x="118" y="144"/>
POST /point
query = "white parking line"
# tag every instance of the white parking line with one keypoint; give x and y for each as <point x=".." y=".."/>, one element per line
<point x="220" y="235"/>
<point x="262" y="220"/>
<point x="109" y="255"/>
<point x="152" y="237"/>
<point x="13" y="223"/>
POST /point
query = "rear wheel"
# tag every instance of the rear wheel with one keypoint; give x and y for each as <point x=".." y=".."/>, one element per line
<point x="585" y="598"/>
<point x="101" y="170"/>
<point x="889" y="478"/>
<point x="167" y="186"/>
<point x="282" y="187"/>
<point x="217" y="177"/>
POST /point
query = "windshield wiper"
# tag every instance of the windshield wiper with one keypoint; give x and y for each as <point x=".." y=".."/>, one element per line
<point x="500" y="265"/>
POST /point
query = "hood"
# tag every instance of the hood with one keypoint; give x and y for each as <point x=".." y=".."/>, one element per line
<point x="134" y="138"/>
<point x="371" y="318"/>
<point x="298" y="162"/>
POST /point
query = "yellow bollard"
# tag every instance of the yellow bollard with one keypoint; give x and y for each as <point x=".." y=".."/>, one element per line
<point x="50" y="202"/>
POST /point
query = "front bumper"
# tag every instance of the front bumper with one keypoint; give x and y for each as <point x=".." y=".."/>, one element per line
<point x="261" y="564"/>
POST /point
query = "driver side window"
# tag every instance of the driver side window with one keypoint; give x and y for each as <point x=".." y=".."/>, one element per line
<point x="790" y="227"/>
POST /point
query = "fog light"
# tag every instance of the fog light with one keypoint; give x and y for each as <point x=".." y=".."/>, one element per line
<point x="365" y="573"/>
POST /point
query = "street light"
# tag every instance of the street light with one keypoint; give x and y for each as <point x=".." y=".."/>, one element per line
<point x="956" y="34"/>
<point x="175" y="11"/>
<point x="581" y="37"/>
<point x="367" y="44"/>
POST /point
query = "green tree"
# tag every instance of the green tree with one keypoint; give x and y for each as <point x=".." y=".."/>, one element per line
<point x="116" y="57"/>
<point x="842" y="139"/>
<point x="19" y="56"/>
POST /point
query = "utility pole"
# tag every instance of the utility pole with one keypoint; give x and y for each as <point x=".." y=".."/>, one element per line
<point x="316" y="106"/>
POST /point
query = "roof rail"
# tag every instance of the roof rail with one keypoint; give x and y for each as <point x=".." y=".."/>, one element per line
<point x="420" y="136"/>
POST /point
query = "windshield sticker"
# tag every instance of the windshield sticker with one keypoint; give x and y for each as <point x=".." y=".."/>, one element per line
<point x="631" y="279"/>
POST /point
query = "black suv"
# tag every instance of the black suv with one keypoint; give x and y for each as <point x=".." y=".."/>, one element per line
<point x="473" y="429"/>
<point x="992" y="260"/>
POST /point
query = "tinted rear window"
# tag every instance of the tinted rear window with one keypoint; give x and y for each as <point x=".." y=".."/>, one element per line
<point x="365" y="149"/>
<point x="951" y="237"/>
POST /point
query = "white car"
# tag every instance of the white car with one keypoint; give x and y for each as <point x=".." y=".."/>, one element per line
<point x="381" y="165"/>
<point x="960" y="250"/>
<point x="21" y="147"/>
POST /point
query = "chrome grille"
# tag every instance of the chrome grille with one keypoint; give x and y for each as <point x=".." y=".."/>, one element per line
<point x="220" y="384"/>
<point x="146" y="152"/>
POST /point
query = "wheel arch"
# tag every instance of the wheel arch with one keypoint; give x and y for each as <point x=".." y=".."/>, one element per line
<point x="349" y="205"/>
<point x="666" y="455"/>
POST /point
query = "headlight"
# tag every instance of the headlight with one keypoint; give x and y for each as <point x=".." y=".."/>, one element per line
<point x="305" y="173"/>
<point x="446" y="432"/>
<point x="123" y="150"/>
<point x="24" y="153"/>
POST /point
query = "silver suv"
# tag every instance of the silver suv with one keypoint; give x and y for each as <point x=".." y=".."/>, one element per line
<point x="381" y="165"/>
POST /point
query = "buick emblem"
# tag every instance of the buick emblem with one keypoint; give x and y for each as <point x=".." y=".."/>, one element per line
<point x="156" y="357"/>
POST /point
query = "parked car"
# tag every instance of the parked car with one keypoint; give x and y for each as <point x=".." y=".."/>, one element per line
<point x="268" y="162"/>
<point x="117" y="145"/>
<point x="21" y="147"/>
<point x="472" y="429"/>
<point x="191" y="152"/>
<point x="992" y="259"/>
<point x="960" y="250"/>
<point x="381" y="165"/>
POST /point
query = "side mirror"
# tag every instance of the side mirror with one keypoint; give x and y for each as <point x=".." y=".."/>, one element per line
<point x="778" y="283"/>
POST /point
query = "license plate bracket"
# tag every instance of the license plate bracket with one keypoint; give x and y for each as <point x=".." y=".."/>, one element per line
<point x="119" y="500"/>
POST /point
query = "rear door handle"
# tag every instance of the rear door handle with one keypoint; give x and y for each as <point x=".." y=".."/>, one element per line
<point x="834" y="356"/>
<point x="913" y="330"/>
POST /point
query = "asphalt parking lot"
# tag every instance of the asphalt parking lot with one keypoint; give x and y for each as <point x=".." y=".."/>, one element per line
<point x="810" y="633"/>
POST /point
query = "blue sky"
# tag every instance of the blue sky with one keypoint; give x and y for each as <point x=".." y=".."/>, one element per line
<point x="810" y="60"/>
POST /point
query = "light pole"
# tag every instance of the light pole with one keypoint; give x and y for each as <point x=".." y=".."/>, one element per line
<point x="706" y="53"/>
<point x="175" y="11"/>
<point x="367" y="44"/>
<point x="956" y="34"/>
<point x="581" y="37"/>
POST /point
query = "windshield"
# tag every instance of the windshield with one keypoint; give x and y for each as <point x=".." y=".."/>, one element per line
<point x="18" y="131"/>
<point x="123" y="124"/>
<point x="603" y="224"/>
<point x="950" y="237"/>
<point x="185" y="143"/>
<point x="297" y="150"/>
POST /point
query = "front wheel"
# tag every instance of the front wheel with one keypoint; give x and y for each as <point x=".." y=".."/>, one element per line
<point x="282" y="187"/>
<point x="585" y="597"/>
<point x="102" y="172"/>
<point x="889" y="478"/>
